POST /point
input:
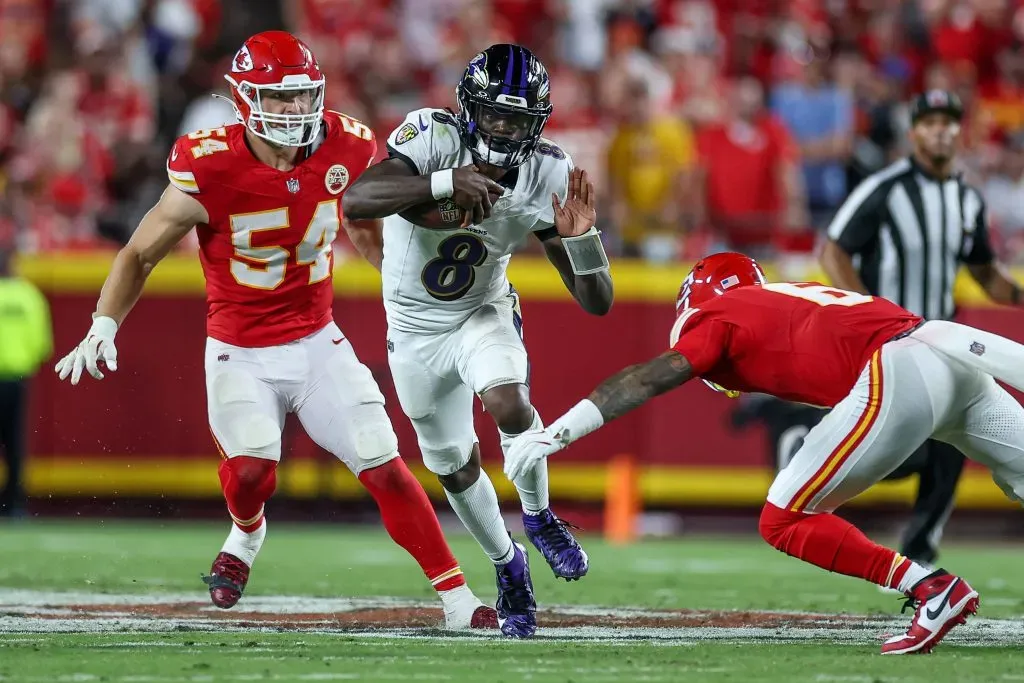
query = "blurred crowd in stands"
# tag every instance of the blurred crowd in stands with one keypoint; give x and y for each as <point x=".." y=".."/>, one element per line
<point x="705" y="122"/>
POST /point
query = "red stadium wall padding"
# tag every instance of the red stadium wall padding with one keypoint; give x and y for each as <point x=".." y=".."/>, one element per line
<point x="142" y="431"/>
<point x="155" y="404"/>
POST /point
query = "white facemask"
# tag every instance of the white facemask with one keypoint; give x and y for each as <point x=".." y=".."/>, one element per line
<point x="287" y="130"/>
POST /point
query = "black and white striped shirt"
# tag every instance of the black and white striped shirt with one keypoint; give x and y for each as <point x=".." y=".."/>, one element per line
<point x="909" y="232"/>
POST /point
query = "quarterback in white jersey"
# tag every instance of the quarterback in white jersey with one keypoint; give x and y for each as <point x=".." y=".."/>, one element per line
<point x="459" y="193"/>
<point x="434" y="280"/>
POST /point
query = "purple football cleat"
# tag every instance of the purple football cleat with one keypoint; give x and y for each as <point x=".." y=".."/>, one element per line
<point x="517" y="608"/>
<point x="562" y="551"/>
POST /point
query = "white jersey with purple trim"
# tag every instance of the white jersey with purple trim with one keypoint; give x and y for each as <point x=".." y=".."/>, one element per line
<point x="435" y="279"/>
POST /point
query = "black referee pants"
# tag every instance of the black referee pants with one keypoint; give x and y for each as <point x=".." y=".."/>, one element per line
<point x="938" y="464"/>
<point x="13" y="408"/>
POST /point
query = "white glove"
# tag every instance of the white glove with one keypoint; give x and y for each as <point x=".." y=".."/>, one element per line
<point x="98" y="345"/>
<point x="528" y="449"/>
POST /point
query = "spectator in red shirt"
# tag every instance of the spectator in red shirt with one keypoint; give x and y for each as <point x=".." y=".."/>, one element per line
<point x="112" y="107"/>
<point x="971" y="33"/>
<point x="749" y="178"/>
<point x="60" y="170"/>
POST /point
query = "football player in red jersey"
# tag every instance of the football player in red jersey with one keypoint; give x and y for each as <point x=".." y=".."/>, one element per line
<point x="264" y="195"/>
<point x="892" y="381"/>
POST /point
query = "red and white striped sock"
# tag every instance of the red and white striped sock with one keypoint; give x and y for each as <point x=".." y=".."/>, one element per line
<point x="905" y="573"/>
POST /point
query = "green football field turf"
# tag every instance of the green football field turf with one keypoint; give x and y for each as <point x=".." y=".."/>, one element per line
<point x="123" y="603"/>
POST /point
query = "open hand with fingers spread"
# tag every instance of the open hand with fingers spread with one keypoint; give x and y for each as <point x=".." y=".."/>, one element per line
<point x="578" y="214"/>
<point x="97" y="346"/>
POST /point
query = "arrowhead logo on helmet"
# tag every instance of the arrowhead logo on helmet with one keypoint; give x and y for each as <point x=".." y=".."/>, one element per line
<point x="243" y="61"/>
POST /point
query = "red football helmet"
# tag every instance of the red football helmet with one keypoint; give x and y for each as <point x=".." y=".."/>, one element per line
<point x="277" y="62"/>
<point x="713" y="275"/>
<point x="710" y="277"/>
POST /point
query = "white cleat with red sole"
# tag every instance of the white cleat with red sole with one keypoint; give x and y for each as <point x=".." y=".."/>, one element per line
<point x="943" y="602"/>
<point x="463" y="610"/>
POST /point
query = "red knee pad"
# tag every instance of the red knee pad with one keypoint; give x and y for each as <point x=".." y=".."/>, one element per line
<point x="247" y="483"/>
<point x="776" y="525"/>
<point x="249" y="473"/>
<point x="393" y="475"/>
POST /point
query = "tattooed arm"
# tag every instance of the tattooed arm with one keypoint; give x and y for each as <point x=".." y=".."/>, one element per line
<point x="639" y="383"/>
<point x="616" y="396"/>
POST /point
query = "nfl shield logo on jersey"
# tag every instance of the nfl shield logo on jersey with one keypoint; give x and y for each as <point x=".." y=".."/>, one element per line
<point x="977" y="348"/>
<point x="336" y="179"/>
<point x="293" y="185"/>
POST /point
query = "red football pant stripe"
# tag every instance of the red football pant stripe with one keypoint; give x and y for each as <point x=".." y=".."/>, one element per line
<point x="849" y="444"/>
<point x="216" y="442"/>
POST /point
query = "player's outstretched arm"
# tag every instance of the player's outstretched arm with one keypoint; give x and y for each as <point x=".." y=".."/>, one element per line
<point x="160" y="230"/>
<point x="639" y="383"/>
<point x="586" y="275"/>
<point x="613" y="398"/>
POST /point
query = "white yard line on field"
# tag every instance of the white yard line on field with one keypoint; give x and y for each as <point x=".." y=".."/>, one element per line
<point x="44" y="612"/>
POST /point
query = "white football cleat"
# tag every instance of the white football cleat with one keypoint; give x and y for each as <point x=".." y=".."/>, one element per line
<point x="463" y="610"/>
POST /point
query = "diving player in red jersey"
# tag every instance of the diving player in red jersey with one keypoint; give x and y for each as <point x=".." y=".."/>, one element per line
<point x="892" y="381"/>
<point x="264" y="195"/>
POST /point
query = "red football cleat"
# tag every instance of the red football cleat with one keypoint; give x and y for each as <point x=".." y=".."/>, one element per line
<point x="227" y="580"/>
<point x="484" y="617"/>
<point x="943" y="601"/>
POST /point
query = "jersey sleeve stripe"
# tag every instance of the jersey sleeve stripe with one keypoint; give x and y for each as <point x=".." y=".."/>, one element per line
<point x="677" y="328"/>
<point x="547" y="233"/>
<point x="183" y="180"/>
<point x="191" y="188"/>
<point x="395" y="154"/>
<point x="184" y="176"/>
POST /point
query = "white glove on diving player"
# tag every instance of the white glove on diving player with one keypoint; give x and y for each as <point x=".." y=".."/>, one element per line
<point x="98" y="345"/>
<point x="532" y="446"/>
<point x="528" y="449"/>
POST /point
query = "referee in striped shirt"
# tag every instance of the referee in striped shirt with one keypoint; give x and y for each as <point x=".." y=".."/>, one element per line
<point x="902" y="234"/>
